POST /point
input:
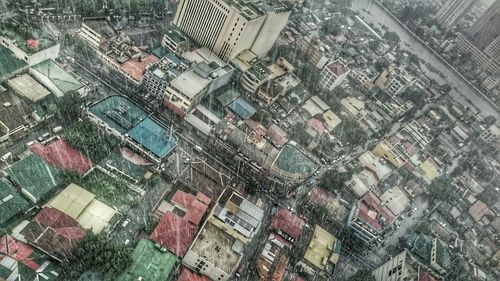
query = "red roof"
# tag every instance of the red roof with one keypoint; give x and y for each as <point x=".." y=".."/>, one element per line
<point x="195" y="212"/>
<point x="478" y="210"/>
<point x="337" y="69"/>
<point x="203" y="198"/>
<point x="61" y="223"/>
<point x="136" y="67"/>
<point x="317" y="125"/>
<point x="187" y="275"/>
<point x="32" y="43"/>
<point x="183" y="199"/>
<point x="288" y="222"/>
<point x="60" y="154"/>
<point x="174" y="233"/>
<point x="18" y="251"/>
<point x="372" y="212"/>
<point x="277" y="135"/>
<point x="426" y="276"/>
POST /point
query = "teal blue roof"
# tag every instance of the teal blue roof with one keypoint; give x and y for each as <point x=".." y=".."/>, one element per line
<point x="154" y="137"/>
<point x="293" y="161"/>
<point x="242" y="108"/>
<point x="131" y="116"/>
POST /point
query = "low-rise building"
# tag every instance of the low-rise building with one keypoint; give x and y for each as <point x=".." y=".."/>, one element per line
<point x="355" y="107"/>
<point x="490" y="134"/>
<point x="370" y="218"/>
<point x="288" y="225"/>
<point x="440" y="259"/>
<point x="394" y="80"/>
<point x="16" y="116"/>
<point x="333" y="74"/>
<point x="174" y="40"/>
<point x="11" y="203"/>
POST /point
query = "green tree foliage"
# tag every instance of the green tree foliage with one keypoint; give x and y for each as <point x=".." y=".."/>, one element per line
<point x="392" y="37"/>
<point x="441" y="189"/>
<point x="69" y="106"/>
<point x="299" y="134"/>
<point x="416" y="95"/>
<point x="362" y="275"/>
<point x="332" y="27"/>
<point x="333" y="180"/>
<point x="95" y="253"/>
<point x="90" y="140"/>
<point x="349" y="132"/>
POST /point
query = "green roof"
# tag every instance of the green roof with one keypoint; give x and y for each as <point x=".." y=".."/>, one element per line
<point x="422" y="247"/>
<point x="35" y="176"/>
<point x="149" y="263"/>
<point x="11" y="203"/>
<point x="293" y="161"/>
<point x="9" y="63"/>
<point x="443" y="257"/>
<point x="61" y="79"/>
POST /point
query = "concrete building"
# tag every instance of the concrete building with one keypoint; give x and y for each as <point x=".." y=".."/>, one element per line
<point x="318" y="52"/>
<point x="208" y="74"/>
<point x="404" y="267"/>
<point x="173" y="40"/>
<point x="369" y="218"/>
<point x="394" y="80"/>
<point x="333" y="74"/>
<point x="451" y="11"/>
<point x="96" y="32"/>
<point x="490" y="134"/>
<point x="229" y="27"/>
<point x="440" y="259"/>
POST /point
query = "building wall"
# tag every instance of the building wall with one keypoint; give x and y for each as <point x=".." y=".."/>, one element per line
<point x="273" y="25"/>
<point x="33" y="59"/>
<point x="393" y="270"/>
<point x="90" y="35"/>
<point x="193" y="260"/>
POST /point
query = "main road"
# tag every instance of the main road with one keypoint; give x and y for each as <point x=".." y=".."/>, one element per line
<point x="461" y="91"/>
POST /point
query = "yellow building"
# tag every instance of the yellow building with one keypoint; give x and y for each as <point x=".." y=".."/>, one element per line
<point x="322" y="254"/>
<point x="389" y="152"/>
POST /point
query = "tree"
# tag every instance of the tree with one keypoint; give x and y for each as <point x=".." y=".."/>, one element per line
<point x="69" y="106"/>
<point x="441" y="189"/>
<point x="362" y="275"/>
<point x="97" y="254"/>
<point x="349" y="132"/>
<point x="392" y="37"/>
<point x="333" y="180"/>
<point x="416" y="95"/>
<point x="332" y="27"/>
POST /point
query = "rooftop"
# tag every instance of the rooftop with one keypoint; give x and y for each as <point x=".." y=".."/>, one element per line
<point x="9" y="63"/>
<point x="102" y="27"/>
<point x="14" y="115"/>
<point x="174" y="233"/>
<point x="27" y="38"/>
<point x="287" y="223"/>
<point x="149" y="263"/>
<point x="292" y="160"/>
<point x="60" y="154"/>
<point x="373" y="212"/>
<point x="323" y="246"/>
<point x="26" y="86"/>
<point x="187" y="275"/>
<point x="228" y="97"/>
<point x="35" y="176"/>
<point x="154" y="137"/>
<point x="242" y="108"/>
<point x="136" y="67"/>
<point x="190" y="83"/>
<point x="337" y="68"/>
<point x="130" y="113"/>
<point x="62" y="79"/>
<point x="11" y="203"/>
<point x="216" y="246"/>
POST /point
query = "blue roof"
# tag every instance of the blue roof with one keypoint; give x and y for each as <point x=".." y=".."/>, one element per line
<point x="242" y="108"/>
<point x="154" y="137"/>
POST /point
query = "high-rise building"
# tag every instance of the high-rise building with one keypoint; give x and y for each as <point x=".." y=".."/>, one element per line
<point x="451" y="11"/>
<point x="404" y="267"/>
<point x="487" y="28"/>
<point x="333" y="74"/>
<point x="228" y="27"/>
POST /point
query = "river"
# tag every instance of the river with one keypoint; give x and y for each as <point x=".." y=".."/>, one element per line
<point x="461" y="91"/>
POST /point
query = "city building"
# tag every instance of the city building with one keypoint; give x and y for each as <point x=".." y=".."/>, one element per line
<point x="208" y="74"/>
<point x="273" y="259"/>
<point x="369" y="218"/>
<point x="32" y="48"/>
<point x="56" y="79"/>
<point x="404" y="267"/>
<point x="174" y="41"/>
<point x="96" y="31"/>
<point x="318" y="52"/>
<point x="34" y="93"/>
<point x="11" y="203"/>
<point x="394" y="80"/>
<point x="150" y="262"/>
<point x="83" y="206"/>
<point x="440" y="259"/>
<point x="229" y="27"/>
<point x="126" y="120"/>
<point x="451" y="11"/>
<point x="288" y="225"/>
<point x="16" y="116"/>
<point x="333" y="74"/>
<point x="53" y="232"/>
<point x="322" y="254"/>
<point x="490" y="134"/>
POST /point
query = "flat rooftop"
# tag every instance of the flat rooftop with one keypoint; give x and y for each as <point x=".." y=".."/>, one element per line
<point x="26" y="86"/>
<point x="155" y="138"/>
<point x="190" y="83"/>
<point x="217" y="247"/>
<point x="149" y="263"/>
<point x="101" y="26"/>
<point x="131" y="113"/>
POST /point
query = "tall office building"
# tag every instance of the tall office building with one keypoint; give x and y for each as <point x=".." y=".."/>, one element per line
<point x="487" y="28"/>
<point x="228" y="27"/>
<point x="451" y="11"/>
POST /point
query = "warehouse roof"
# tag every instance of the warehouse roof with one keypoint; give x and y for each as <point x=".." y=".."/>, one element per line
<point x="26" y="86"/>
<point x="57" y="75"/>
